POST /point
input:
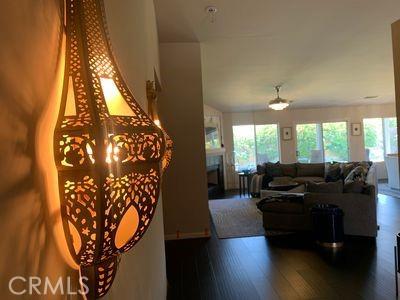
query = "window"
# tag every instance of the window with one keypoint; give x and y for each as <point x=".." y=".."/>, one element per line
<point x="322" y="142"/>
<point x="254" y="145"/>
<point x="267" y="143"/>
<point x="390" y="127"/>
<point x="308" y="140"/>
<point x="380" y="137"/>
<point x="244" y="147"/>
<point x="336" y="145"/>
<point x="373" y="139"/>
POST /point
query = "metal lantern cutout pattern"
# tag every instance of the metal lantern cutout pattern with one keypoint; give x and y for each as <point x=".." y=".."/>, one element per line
<point x="109" y="154"/>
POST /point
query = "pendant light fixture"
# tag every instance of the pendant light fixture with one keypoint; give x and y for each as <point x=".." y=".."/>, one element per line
<point x="109" y="153"/>
<point x="278" y="103"/>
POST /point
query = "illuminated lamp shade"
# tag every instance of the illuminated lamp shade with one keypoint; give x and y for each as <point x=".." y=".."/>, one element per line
<point x="278" y="103"/>
<point x="109" y="153"/>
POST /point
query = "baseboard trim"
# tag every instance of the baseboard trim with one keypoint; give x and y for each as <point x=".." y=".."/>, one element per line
<point x="186" y="235"/>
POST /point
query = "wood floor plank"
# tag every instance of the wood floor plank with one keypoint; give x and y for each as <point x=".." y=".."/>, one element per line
<point x="290" y="267"/>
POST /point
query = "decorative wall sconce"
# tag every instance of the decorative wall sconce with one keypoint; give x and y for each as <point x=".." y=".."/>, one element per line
<point x="152" y="93"/>
<point x="109" y="154"/>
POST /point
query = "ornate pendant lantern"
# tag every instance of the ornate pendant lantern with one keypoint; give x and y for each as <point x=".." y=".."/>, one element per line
<point x="109" y="153"/>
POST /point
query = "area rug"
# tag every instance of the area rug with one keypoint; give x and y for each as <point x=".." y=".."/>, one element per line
<point x="384" y="189"/>
<point x="239" y="218"/>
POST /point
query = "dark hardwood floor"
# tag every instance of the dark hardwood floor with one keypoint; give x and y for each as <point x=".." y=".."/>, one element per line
<point x="289" y="267"/>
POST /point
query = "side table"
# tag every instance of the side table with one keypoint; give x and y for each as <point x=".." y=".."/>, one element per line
<point x="244" y="183"/>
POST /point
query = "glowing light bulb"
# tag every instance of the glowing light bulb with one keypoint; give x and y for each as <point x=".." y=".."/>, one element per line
<point x="115" y="151"/>
<point x="158" y="123"/>
<point x="109" y="152"/>
<point x="89" y="151"/>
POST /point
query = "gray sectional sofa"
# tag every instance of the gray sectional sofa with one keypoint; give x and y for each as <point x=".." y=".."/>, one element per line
<point x="303" y="173"/>
<point x="359" y="211"/>
<point x="357" y="199"/>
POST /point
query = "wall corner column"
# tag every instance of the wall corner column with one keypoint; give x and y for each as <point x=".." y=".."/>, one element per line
<point x="396" y="60"/>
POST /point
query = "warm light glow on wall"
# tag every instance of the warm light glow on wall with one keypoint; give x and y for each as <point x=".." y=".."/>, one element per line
<point x="109" y="153"/>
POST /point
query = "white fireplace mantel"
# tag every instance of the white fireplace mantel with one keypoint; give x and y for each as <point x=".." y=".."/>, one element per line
<point x="215" y="152"/>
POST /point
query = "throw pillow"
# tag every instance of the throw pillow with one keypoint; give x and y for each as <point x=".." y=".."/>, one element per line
<point x="358" y="174"/>
<point x="261" y="169"/>
<point x="325" y="187"/>
<point x="365" y="164"/>
<point x="355" y="187"/>
<point x="274" y="169"/>
<point x="347" y="168"/>
<point x="332" y="172"/>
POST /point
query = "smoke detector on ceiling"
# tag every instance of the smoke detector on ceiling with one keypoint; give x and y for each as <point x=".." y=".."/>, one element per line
<point x="212" y="11"/>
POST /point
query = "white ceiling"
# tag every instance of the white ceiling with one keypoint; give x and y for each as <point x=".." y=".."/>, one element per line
<point x="326" y="53"/>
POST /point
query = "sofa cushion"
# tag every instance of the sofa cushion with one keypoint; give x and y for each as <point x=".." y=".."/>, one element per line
<point x="283" y="179"/>
<point x="310" y="170"/>
<point x="283" y="207"/>
<point x="325" y="187"/>
<point x="289" y="170"/>
<point x="273" y="169"/>
<point x="301" y="189"/>
<point x="302" y="180"/>
<point x="355" y="187"/>
<point x="332" y="172"/>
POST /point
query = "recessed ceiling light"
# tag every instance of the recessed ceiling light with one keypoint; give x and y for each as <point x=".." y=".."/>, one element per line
<point x="371" y="97"/>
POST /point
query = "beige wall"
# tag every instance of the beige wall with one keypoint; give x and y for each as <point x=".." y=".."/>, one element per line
<point x="30" y="81"/>
<point x="396" y="58"/>
<point x="289" y="118"/>
<point x="181" y="113"/>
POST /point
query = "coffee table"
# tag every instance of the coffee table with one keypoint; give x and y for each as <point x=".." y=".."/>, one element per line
<point x="282" y="185"/>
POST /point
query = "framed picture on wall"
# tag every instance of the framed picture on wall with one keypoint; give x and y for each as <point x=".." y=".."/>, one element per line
<point x="287" y="133"/>
<point x="356" y="129"/>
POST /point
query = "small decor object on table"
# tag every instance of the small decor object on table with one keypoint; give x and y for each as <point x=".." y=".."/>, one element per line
<point x="327" y="220"/>
<point x="244" y="181"/>
<point x="287" y="133"/>
<point x="356" y="129"/>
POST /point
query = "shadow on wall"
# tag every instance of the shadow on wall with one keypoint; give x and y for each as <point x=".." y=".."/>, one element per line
<point x="30" y="40"/>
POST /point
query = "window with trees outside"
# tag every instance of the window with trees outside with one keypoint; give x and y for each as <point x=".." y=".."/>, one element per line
<point x="319" y="142"/>
<point x="254" y="145"/>
<point x="380" y="137"/>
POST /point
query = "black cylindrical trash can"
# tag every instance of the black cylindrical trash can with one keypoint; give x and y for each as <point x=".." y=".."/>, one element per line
<point x="398" y="251"/>
<point x="327" y="223"/>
